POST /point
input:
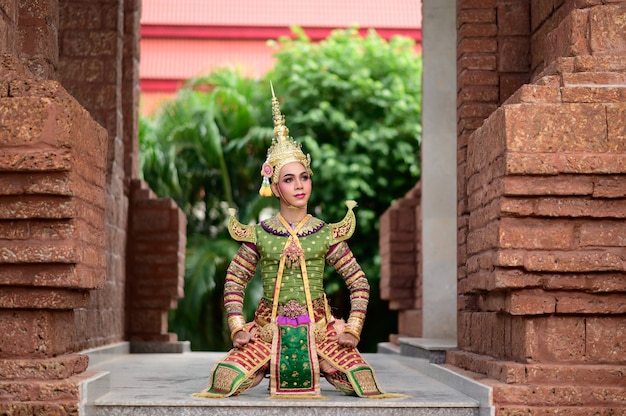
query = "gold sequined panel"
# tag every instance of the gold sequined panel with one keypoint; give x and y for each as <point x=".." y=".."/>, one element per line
<point x="241" y="232"/>
<point x="366" y="381"/>
<point x="224" y="379"/>
<point x="343" y="229"/>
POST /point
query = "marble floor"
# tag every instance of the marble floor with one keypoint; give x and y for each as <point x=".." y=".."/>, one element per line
<point x="155" y="384"/>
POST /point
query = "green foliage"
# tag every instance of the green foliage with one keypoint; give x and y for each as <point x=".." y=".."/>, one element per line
<point x="354" y="103"/>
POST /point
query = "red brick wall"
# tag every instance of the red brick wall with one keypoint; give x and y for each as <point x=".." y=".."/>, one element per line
<point x="52" y="178"/>
<point x="64" y="198"/>
<point x="156" y="252"/>
<point x="91" y="38"/>
<point x="401" y="268"/>
<point x="543" y="202"/>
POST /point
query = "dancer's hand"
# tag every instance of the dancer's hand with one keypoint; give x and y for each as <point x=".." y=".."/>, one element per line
<point x="241" y="338"/>
<point x="346" y="339"/>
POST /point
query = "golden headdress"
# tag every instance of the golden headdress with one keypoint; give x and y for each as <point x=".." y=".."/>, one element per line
<point x="284" y="149"/>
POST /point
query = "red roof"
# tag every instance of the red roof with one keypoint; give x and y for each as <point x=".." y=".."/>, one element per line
<point x="286" y="13"/>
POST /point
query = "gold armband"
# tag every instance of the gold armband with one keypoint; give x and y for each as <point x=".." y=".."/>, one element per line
<point x="354" y="326"/>
<point x="236" y="323"/>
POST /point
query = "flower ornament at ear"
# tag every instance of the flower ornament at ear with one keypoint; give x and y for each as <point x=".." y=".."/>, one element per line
<point x="266" y="171"/>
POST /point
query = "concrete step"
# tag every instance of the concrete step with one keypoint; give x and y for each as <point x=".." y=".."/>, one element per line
<point x="162" y="384"/>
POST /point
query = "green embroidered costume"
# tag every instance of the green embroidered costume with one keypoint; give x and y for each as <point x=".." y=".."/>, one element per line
<point x="293" y="332"/>
<point x="293" y="336"/>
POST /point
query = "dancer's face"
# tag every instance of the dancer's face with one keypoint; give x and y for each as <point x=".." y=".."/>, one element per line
<point x="294" y="185"/>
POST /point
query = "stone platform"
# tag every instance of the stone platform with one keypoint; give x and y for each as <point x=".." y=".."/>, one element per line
<point x="162" y="384"/>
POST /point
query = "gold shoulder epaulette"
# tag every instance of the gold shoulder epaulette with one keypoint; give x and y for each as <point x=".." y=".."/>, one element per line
<point x="344" y="229"/>
<point x="239" y="231"/>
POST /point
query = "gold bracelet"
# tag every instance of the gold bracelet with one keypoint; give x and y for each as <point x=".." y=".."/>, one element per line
<point x="234" y="332"/>
<point x="352" y="332"/>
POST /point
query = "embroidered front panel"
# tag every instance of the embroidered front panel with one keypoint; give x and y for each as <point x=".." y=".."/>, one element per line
<point x="295" y="367"/>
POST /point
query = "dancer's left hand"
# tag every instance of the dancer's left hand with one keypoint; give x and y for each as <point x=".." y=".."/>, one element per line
<point x="345" y="339"/>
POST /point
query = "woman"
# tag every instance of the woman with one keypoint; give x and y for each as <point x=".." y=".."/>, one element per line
<point x="293" y="336"/>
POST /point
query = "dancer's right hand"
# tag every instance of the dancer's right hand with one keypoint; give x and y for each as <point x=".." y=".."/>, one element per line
<point x="241" y="338"/>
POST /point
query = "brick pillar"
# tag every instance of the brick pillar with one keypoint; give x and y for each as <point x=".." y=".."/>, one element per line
<point x="52" y="174"/>
<point x="400" y="268"/>
<point x="542" y="309"/>
<point x="155" y="264"/>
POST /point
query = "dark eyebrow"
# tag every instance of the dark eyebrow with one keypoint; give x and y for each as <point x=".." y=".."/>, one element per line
<point x="287" y="175"/>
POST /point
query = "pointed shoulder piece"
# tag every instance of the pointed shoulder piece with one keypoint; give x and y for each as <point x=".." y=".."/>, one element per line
<point x="344" y="229"/>
<point x="238" y="231"/>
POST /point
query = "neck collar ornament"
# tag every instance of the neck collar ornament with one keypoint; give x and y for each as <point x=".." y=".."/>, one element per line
<point x="284" y="149"/>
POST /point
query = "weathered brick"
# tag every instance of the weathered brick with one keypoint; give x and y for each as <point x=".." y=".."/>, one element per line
<point x="41" y="252"/>
<point x="23" y="298"/>
<point x="32" y="161"/>
<point x="549" y="185"/>
<point x="607" y="29"/>
<point x="555" y="396"/>
<point x="572" y="303"/>
<point x="577" y="207"/>
<point x="611" y="187"/>
<point x="476" y="4"/>
<point x="477" y="30"/>
<point x="605" y="339"/>
<point x="516" y="279"/>
<point x="487" y="144"/>
<point x="599" y="63"/>
<point x="605" y="233"/>
<point x="550" y="163"/>
<point x="35" y="334"/>
<point x="561" y="410"/>
<point x="472" y="78"/>
<point x="483" y="239"/>
<point x="513" y="54"/>
<point x="598" y="374"/>
<point x="594" y="79"/>
<point x="531" y="93"/>
<point x="540" y="10"/>
<point x="513" y="18"/>
<point x="53" y="368"/>
<point x="556" y="339"/>
<point x="617" y="130"/>
<point x="590" y="282"/>
<point x="556" y="128"/>
<point x="149" y="321"/>
<point x="530" y="302"/>
<point x="593" y="94"/>
<point x="478" y="15"/>
<point x="483" y="94"/>
<point x="476" y="110"/>
<point x="410" y="323"/>
<point x="575" y="261"/>
<point x="570" y="37"/>
<point x="535" y="234"/>
<point x="510" y="83"/>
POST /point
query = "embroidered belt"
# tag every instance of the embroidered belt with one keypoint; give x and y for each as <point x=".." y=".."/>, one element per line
<point x="264" y="310"/>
